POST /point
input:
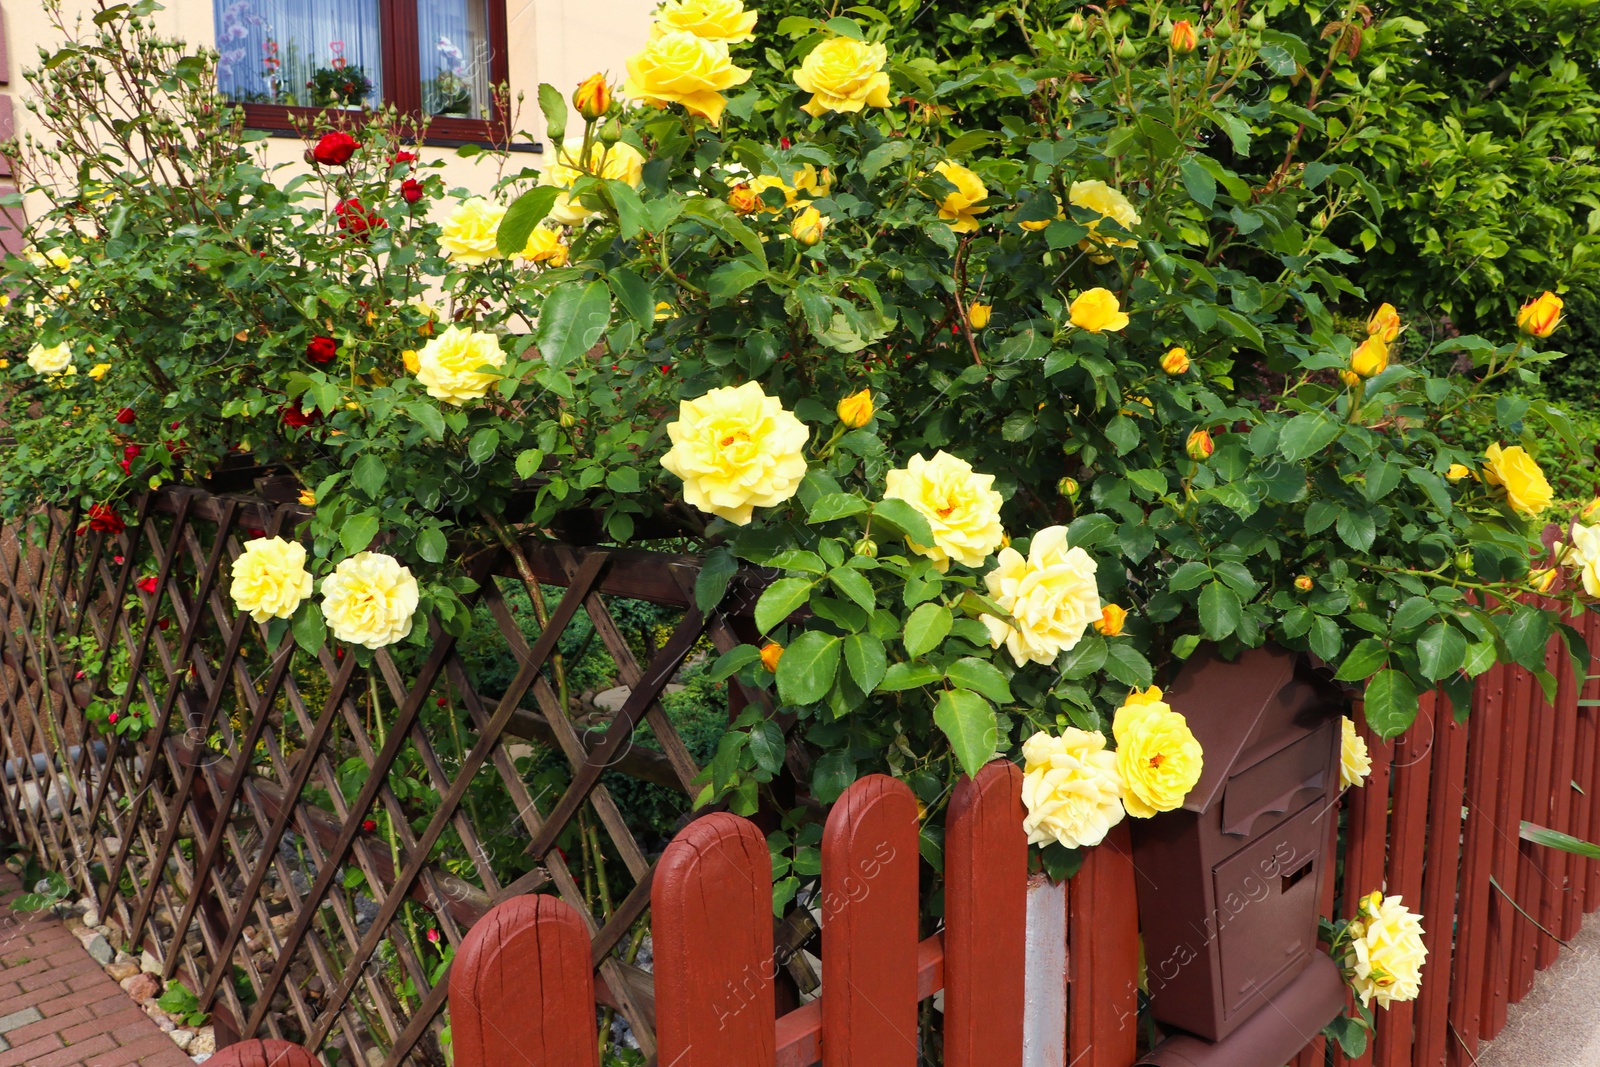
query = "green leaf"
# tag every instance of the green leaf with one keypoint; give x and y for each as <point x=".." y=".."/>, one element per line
<point x="572" y="321"/>
<point x="1391" y="703"/>
<point x="1198" y="182"/>
<point x="431" y="545"/>
<point x="554" y="105"/>
<point x="716" y="571"/>
<point x="1127" y="664"/>
<point x="1356" y="528"/>
<point x="980" y="676"/>
<point x="1441" y="651"/>
<point x="733" y="278"/>
<point x="623" y="480"/>
<point x="1306" y="434"/>
<point x="853" y="584"/>
<point x="529" y="462"/>
<point x="310" y="631"/>
<point x="369" y="474"/>
<point x="1541" y="835"/>
<point x="926" y="629"/>
<point x="428" y="416"/>
<point x="1220" y="611"/>
<point x="721" y="218"/>
<point x="798" y="559"/>
<point x="358" y="531"/>
<point x="1526" y="633"/>
<point x="733" y="661"/>
<point x="766" y="745"/>
<point x="808" y="667"/>
<point x="1364" y="660"/>
<point x="1479" y="657"/>
<point x="632" y="218"/>
<point x="525" y="212"/>
<point x="835" y="506"/>
<point x="969" y="722"/>
<point x="780" y="600"/>
<point x="634" y="295"/>
<point x="480" y="449"/>
<point x="903" y="676"/>
<point x="833" y="773"/>
<point x="1084" y="658"/>
<point x="866" y="660"/>
<point x="1413" y="612"/>
<point x="904" y="519"/>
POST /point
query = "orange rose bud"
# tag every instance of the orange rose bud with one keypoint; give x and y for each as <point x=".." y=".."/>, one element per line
<point x="1542" y="580"/>
<point x="1184" y="39"/>
<point x="1384" y="323"/>
<point x="744" y="200"/>
<point x="770" y="655"/>
<point x="1303" y="583"/>
<point x="593" y="97"/>
<point x="1112" y="616"/>
<point x="1200" y="445"/>
<point x="1540" y="317"/>
<point x="855" y="410"/>
<point x="1176" y="361"/>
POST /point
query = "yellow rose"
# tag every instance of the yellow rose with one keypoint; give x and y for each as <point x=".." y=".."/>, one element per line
<point x="1385" y="957"/>
<point x="1176" y="361"/>
<point x="619" y="162"/>
<point x="1105" y="201"/>
<point x="1051" y="598"/>
<point x="812" y="182"/>
<point x="713" y="20"/>
<point x="978" y="315"/>
<point x="961" y="507"/>
<point x="736" y="448"/>
<point x="468" y="235"/>
<point x="1513" y="469"/>
<point x="1585" y="557"/>
<point x="1070" y="788"/>
<point x="842" y="74"/>
<point x="1457" y="471"/>
<point x="270" y="578"/>
<point x="369" y="600"/>
<point x="1370" y="358"/>
<point x="746" y="201"/>
<point x="57" y="359"/>
<point x="1355" y="763"/>
<point x="545" y="246"/>
<point x="449" y="364"/>
<point x="1138" y="697"/>
<point x="1540" y="316"/>
<point x="957" y="207"/>
<point x="808" y="226"/>
<point x="1384" y="323"/>
<point x="1097" y="311"/>
<point x="855" y="410"/>
<point x="676" y="67"/>
<point x="1157" y="756"/>
<point x="1112" y="618"/>
<point x="99" y="370"/>
<point x="1035" y="225"/>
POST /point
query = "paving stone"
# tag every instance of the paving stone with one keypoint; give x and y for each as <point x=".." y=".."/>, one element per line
<point x="18" y="1019"/>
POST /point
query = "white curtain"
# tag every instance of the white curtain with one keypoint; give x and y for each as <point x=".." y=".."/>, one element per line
<point x="453" y="40"/>
<point x="270" y="49"/>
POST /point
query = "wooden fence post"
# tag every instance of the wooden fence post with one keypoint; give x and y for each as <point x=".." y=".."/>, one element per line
<point x="522" y="989"/>
<point x="265" y="1053"/>
<point x="711" y="922"/>
<point x="1103" y="956"/>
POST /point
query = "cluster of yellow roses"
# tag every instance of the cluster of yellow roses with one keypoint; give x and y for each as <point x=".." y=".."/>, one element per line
<point x="369" y="599"/>
<point x="1075" y="790"/>
<point x="1384" y="958"/>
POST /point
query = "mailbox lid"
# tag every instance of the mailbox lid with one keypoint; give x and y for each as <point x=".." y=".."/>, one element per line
<point x="1266" y="901"/>
<point x="1283" y="780"/>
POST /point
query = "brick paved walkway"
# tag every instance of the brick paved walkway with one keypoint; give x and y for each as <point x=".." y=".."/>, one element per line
<point x="59" y="1009"/>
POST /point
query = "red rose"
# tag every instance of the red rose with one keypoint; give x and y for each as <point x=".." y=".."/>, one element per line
<point x="402" y="156"/>
<point x="335" y="149"/>
<point x="369" y="825"/>
<point x="104" y="520"/>
<point x="293" y="415"/>
<point x="126" y="416"/>
<point x="322" y="349"/>
<point x="411" y="189"/>
<point x="355" y="219"/>
<point x="112" y="718"/>
<point x="129" y="454"/>
<point x="148" y="585"/>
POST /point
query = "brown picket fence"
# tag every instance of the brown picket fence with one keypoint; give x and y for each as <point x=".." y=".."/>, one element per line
<point x="232" y="840"/>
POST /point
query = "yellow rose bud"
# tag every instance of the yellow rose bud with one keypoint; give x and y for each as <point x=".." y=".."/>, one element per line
<point x="744" y="200"/>
<point x="1384" y="323"/>
<point x="855" y="410"/>
<point x="843" y="74"/>
<point x="1112" y="617"/>
<point x="1590" y="512"/>
<point x="771" y="653"/>
<point x="546" y="246"/>
<point x="1540" y="317"/>
<point x="1371" y="357"/>
<point x="960" y="207"/>
<point x="1200" y="445"/>
<point x="1176" y="361"/>
<point x="1527" y="490"/>
<point x="808" y="226"/>
<point x="1350" y="378"/>
<point x="98" y="371"/>
<point x="1068" y="487"/>
<point x="978" y="315"/>
<point x="677" y="67"/>
<point x="866" y="547"/>
<point x="593" y="97"/>
<point x="1542" y="580"/>
<point x="1097" y="310"/>
<point x="1184" y="39"/>
<point x="409" y="358"/>
<point x="1457" y="472"/>
<point x="1303" y="583"/>
<point x="308" y="498"/>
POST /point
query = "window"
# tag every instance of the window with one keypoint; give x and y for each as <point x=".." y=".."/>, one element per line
<point x="432" y="59"/>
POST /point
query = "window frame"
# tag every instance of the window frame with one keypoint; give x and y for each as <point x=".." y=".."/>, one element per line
<point x="399" y="46"/>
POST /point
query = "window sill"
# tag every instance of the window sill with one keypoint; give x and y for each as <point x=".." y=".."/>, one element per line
<point x="279" y="121"/>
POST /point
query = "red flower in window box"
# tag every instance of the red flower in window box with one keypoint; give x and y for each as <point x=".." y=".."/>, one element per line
<point x="335" y="149"/>
<point x="126" y="416"/>
<point x="103" y="519"/>
<point x="356" y="219"/>
<point x="293" y="415"/>
<point x="148" y="585"/>
<point x="411" y="190"/>
<point x="322" y="349"/>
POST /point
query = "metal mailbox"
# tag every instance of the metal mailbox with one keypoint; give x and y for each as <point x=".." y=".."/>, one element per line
<point x="1228" y="884"/>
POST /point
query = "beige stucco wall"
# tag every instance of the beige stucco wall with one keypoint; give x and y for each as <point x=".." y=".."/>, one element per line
<point x="556" y="41"/>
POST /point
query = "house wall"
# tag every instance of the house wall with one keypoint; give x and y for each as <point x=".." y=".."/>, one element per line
<point x="556" y="41"/>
